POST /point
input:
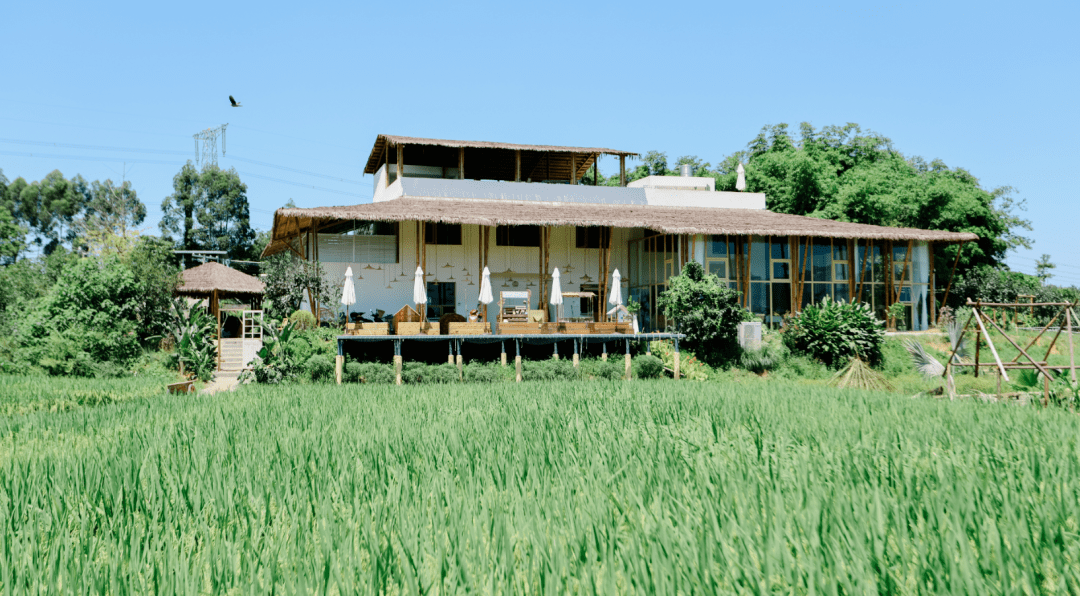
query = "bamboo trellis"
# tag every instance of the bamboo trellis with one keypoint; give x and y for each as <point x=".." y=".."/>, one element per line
<point x="1042" y="366"/>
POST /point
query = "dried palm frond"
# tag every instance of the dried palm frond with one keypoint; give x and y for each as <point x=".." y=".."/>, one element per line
<point x="956" y="342"/>
<point x="927" y="365"/>
<point x="858" y="375"/>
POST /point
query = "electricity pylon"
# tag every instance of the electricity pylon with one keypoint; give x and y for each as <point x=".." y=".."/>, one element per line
<point x="206" y="145"/>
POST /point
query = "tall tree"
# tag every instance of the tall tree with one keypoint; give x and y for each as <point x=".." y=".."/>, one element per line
<point x="111" y="218"/>
<point x="178" y="209"/>
<point x="50" y="206"/>
<point x="12" y="235"/>
<point x="209" y="210"/>
<point x="223" y="214"/>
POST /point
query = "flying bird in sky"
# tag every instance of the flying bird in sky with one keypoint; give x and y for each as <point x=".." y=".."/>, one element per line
<point x="234" y="103"/>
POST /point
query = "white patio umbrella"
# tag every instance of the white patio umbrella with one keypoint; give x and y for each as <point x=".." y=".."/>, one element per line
<point x="486" y="296"/>
<point x="348" y="293"/>
<point x="615" y="295"/>
<point x="740" y="182"/>
<point x="419" y="291"/>
<point x="556" y="292"/>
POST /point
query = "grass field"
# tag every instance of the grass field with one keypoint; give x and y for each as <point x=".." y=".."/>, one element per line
<point x="601" y="487"/>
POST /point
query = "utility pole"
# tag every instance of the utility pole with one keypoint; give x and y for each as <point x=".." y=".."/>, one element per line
<point x="206" y="144"/>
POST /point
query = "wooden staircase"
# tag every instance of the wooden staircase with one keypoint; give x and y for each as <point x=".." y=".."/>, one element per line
<point x="231" y="354"/>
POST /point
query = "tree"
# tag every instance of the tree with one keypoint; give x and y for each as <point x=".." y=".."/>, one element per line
<point x="706" y="310"/>
<point x="1043" y="267"/>
<point x="287" y="278"/>
<point x="847" y="174"/>
<point x="12" y="235"/>
<point x="209" y="211"/>
<point x="49" y="208"/>
<point x="111" y="217"/>
<point x="224" y="214"/>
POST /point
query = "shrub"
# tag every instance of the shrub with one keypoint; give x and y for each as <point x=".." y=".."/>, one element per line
<point x="707" y="311"/>
<point x="602" y="369"/>
<point x="690" y="367"/>
<point x="303" y="319"/>
<point x="648" y="367"/>
<point x="416" y="373"/>
<point x="835" y="332"/>
<point x="766" y="358"/>
<point x="549" y="370"/>
<point x="476" y="372"/>
<point x="320" y="368"/>
<point x="370" y="372"/>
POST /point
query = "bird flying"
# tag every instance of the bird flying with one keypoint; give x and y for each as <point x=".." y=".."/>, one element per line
<point x="234" y="103"/>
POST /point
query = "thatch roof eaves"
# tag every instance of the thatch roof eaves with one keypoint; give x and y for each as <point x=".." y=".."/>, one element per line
<point x="211" y="276"/>
<point x="383" y="141"/>
<point x="290" y="223"/>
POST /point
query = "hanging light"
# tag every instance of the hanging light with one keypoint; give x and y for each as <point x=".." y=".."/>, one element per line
<point x="471" y="283"/>
<point x="586" y="279"/>
<point x="368" y="266"/>
<point x="448" y="266"/>
<point x="506" y="284"/>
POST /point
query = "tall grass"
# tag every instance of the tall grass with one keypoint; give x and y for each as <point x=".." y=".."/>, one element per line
<point x="602" y="487"/>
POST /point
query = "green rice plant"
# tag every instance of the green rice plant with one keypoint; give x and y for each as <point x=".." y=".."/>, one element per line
<point x="649" y="487"/>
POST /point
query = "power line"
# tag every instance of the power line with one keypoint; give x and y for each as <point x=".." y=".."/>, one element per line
<point x="298" y="171"/>
<point x="340" y="192"/>
<point x="92" y="147"/>
<point x="89" y="158"/>
<point x="141" y="132"/>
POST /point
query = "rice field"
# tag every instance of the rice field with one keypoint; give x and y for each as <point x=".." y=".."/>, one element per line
<point x="602" y="487"/>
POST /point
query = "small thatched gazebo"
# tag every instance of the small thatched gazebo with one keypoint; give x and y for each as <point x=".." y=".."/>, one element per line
<point x="214" y="281"/>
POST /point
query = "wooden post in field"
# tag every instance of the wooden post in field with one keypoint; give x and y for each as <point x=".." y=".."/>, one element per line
<point x="517" y="359"/>
<point x="450" y="358"/>
<point x="626" y="373"/>
<point x="460" y="363"/>
<point x="603" y="355"/>
<point x="339" y="362"/>
<point x="675" y="371"/>
<point x="397" y="361"/>
<point x="502" y="344"/>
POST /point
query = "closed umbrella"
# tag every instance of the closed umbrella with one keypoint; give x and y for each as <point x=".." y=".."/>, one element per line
<point x="556" y="292"/>
<point x="740" y="183"/>
<point x="419" y="291"/>
<point x="348" y="293"/>
<point x="486" y="296"/>
<point x="615" y="295"/>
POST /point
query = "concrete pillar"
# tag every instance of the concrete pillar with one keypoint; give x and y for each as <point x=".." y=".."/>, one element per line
<point x="517" y="359"/>
<point x="603" y="355"/>
<point x="339" y="368"/>
<point x="555" y="356"/>
<point x="502" y="344"/>
<point x="627" y="374"/>
<point x="460" y="363"/>
<point x="676" y="367"/>
<point x="450" y="358"/>
<point x="576" y="360"/>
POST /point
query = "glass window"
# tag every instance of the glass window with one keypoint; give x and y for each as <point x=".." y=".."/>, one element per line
<point x="781" y="299"/>
<point x="446" y="234"/>
<point x="781" y="248"/>
<point x="759" y="298"/>
<point x="822" y="263"/>
<point x="839" y="250"/>
<point x="517" y="236"/>
<point x="840" y="272"/>
<point x="759" y="259"/>
<point x="840" y="292"/>
<point x="441" y="298"/>
<point x="717" y="246"/>
<point x="360" y="242"/>
<point x="781" y="270"/>
<point x="821" y="291"/>
<point x="593" y="237"/>
<point x="718" y="268"/>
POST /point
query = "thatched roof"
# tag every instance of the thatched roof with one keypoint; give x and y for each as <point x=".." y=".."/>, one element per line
<point x="206" y="278"/>
<point x="488" y="160"/>
<point x="290" y="223"/>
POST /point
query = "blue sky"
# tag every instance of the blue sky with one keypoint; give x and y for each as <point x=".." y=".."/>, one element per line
<point x="991" y="87"/>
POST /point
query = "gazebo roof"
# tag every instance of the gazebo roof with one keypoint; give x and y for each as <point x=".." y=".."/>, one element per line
<point x="211" y="276"/>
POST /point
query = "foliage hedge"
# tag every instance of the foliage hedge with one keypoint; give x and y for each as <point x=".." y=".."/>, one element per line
<point x="707" y="311"/>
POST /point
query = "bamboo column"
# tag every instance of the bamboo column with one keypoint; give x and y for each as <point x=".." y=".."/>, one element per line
<point x="622" y="170"/>
<point x="607" y="268"/>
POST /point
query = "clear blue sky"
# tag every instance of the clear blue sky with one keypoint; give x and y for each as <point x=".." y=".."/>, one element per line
<point x="991" y="87"/>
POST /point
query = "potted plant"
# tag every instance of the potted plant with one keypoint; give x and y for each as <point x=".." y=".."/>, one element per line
<point x="897" y="310"/>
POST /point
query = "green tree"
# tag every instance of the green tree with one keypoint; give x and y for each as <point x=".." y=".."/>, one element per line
<point x="287" y="277"/>
<point x="12" y="235"/>
<point x="209" y="210"/>
<point x="706" y="310"/>
<point x="178" y="209"/>
<point x="112" y="216"/>
<point x="49" y="208"/>
<point x="1043" y="267"/>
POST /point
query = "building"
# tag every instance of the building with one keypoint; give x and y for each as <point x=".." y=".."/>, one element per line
<point x="454" y="207"/>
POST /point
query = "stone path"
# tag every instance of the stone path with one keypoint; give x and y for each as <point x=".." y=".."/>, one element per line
<point x="224" y="380"/>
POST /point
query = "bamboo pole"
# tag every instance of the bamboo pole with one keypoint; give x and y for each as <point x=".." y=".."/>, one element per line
<point x="990" y="343"/>
<point x="1045" y="327"/>
<point x="953" y="274"/>
<point x="862" y="272"/>
<point x="933" y="286"/>
<point x="607" y="267"/>
<point x="1072" y="357"/>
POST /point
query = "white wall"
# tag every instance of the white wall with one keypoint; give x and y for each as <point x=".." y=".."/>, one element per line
<point x="372" y="290"/>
